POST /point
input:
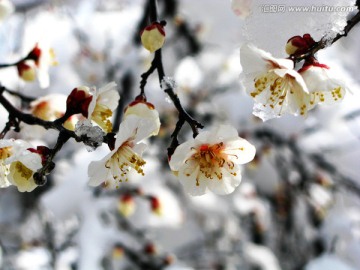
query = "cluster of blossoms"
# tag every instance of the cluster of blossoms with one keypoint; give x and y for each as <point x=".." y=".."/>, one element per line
<point x="278" y="87"/>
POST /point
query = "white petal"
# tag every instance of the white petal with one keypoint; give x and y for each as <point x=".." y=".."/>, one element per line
<point x="189" y="182"/>
<point x="224" y="132"/>
<point x="43" y="77"/>
<point x="240" y="151"/>
<point x="6" y="143"/>
<point x="203" y="138"/>
<point x="31" y="160"/>
<point x="227" y="184"/>
<point x="142" y="110"/>
<point x="324" y="88"/>
<point x="109" y="96"/>
<point x="181" y="154"/>
<point x="139" y="148"/>
<point x="97" y="172"/>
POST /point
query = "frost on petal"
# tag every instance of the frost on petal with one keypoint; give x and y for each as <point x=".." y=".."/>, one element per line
<point x="93" y="135"/>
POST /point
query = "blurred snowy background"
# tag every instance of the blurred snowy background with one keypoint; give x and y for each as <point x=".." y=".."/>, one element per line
<point x="298" y="204"/>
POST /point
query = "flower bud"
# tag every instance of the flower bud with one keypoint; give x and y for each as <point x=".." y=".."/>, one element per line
<point x="150" y="249"/>
<point x="155" y="205"/>
<point x="295" y="44"/>
<point x="78" y="101"/>
<point x="153" y="37"/>
<point x="126" y="205"/>
<point x="298" y="44"/>
<point x="118" y="252"/>
<point x="26" y="71"/>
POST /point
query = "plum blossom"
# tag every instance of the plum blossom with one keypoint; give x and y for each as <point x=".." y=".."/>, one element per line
<point x="104" y="102"/>
<point x="5" y="152"/>
<point x="144" y="109"/>
<point x="274" y="84"/>
<point x="126" y="155"/>
<point x="19" y="161"/>
<point x="36" y="65"/>
<point x="211" y="161"/>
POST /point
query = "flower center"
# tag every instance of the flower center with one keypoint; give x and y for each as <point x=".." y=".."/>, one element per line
<point x="21" y="170"/>
<point x="121" y="162"/>
<point x="5" y="152"/>
<point x="210" y="159"/>
<point x="101" y="115"/>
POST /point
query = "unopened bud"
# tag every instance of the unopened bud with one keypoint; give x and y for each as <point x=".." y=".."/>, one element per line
<point x="155" y="205"/>
<point x="126" y="205"/>
<point x="298" y="44"/>
<point x="78" y="101"/>
<point x="26" y="71"/>
<point x="150" y="249"/>
<point x="153" y="37"/>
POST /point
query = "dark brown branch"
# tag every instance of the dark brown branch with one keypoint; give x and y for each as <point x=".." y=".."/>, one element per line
<point x="32" y="120"/>
<point x="157" y="64"/>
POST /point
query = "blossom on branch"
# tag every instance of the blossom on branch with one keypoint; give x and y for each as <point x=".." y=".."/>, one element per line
<point x="20" y="161"/>
<point x="211" y="161"/>
<point x="97" y="105"/>
<point x="322" y="85"/>
<point x="141" y="108"/>
<point x="78" y="100"/>
<point x="115" y="167"/>
<point x="103" y="104"/>
<point x="153" y="36"/>
<point x="36" y="65"/>
<point x="273" y="83"/>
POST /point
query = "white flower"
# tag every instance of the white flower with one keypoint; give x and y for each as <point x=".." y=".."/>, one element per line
<point x="49" y="107"/>
<point x="126" y="155"/>
<point x="44" y="57"/>
<point x="211" y="161"/>
<point x="5" y="152"/>
<point x="6" y="9"/>
<point x="322" y="85"/>
<point x="36" y="65"/>
<point x="241" y="8"/>
<point x="145" y="110"/>
<point x="21" y="164"/>
<point x="276" y="87"/>
<point x="104" y="102"/>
